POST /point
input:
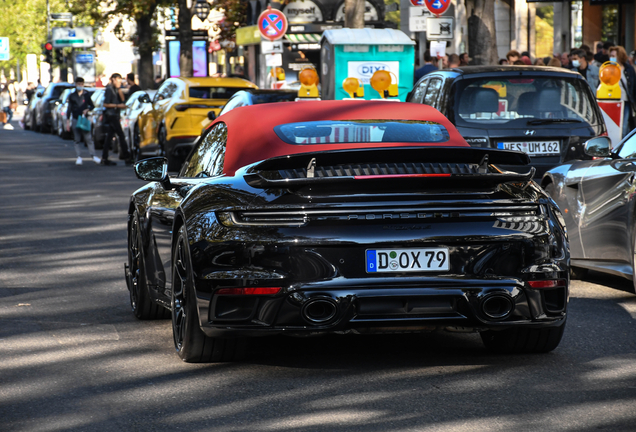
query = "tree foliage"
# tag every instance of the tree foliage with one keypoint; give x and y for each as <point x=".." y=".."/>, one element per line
<point x="24" y="23"/>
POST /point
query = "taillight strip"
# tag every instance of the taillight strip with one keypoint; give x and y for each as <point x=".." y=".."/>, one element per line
<point x="386" y="176"/>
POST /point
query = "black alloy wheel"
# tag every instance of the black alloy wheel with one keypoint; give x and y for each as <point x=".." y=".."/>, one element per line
<point x="526" y="340"/>
<point x="162" y="136"/>
<point x="191" y="344"/>
<point x="140" y="302"/>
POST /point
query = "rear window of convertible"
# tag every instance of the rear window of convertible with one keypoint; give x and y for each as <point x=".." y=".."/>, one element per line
<point x="362" y="131"/>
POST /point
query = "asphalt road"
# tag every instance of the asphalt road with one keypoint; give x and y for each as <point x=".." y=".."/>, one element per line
<point x="73" y="357"/>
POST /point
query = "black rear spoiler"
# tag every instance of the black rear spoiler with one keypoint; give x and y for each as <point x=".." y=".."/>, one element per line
<point x="443" y="164"/>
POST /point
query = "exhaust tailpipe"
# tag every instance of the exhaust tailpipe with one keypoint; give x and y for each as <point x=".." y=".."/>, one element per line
<point x="319" y="311"/>
<point x="497" y="306"/>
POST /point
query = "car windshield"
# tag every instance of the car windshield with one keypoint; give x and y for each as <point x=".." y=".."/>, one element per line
<point x="522" y="101"/>
<point x="55" y="91"/>
<point x="274" y="97"/>
<point x="362" y="131"/>
<point x="213" y="92"/>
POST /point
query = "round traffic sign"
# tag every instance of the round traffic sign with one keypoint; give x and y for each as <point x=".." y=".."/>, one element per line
<point x="272" y="24"/>
<point x="417" y="2"/>
<point x="437" y="7"/>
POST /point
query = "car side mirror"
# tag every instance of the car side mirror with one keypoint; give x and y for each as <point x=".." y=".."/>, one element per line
<point x="153" y="169"/>
<point x="39" y="94"/>
<point x="598" y="147"/>
<point x="144" y="98"/>
<point x="211" y="115"/>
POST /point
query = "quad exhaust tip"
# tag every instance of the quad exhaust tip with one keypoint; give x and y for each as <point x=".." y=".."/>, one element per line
<point x="497" y="306"/>
<point x="319" y="311"/>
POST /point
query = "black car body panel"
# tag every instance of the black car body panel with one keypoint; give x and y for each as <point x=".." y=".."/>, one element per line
<point x="598" y="201"/>
<point x="440" y="89"/>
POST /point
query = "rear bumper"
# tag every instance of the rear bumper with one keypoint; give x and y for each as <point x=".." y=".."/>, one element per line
<point x="320" y="308"/>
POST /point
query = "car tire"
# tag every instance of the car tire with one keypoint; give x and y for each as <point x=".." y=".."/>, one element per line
<point x="519" y="340"/>
<point x="142" y="305"/>
<point x="173" y="163"/>
<point x="135" y="143"/>
<point x="191" y="344"/>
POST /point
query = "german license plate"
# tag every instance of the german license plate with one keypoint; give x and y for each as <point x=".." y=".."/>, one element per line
<point x="533" y="148"/>
<point x="407" y="260"/>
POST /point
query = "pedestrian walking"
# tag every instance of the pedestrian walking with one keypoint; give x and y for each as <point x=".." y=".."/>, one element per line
<point x="132" y="86"/>
<point x="618" y="55"/>
<point x="428" y="66"/>
<point x="464" y="59"/>
<point x="113" y="102"/>
<point x="8" y="103"/>
<point x="588" y="70"/>
<point x="79" y="103"/>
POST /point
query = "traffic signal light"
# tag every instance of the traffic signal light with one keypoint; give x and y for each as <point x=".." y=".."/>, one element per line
<point x="58" y="56"/>
<point x="47" y="52"/>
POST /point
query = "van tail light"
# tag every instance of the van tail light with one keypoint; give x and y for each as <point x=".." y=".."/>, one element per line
<point x="549" y="283"/>
<point x="249" y="291"/>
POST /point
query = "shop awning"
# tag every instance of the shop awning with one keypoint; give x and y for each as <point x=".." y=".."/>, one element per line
<point x="303" y="37"/>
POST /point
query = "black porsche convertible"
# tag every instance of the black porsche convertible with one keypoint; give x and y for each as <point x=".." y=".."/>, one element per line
<point x="306" y="218"/>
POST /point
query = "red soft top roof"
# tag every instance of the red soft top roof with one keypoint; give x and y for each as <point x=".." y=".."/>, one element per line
<point x="251" y="137"/>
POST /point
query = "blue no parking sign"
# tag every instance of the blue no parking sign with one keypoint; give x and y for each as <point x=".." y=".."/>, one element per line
<point x="4" y="48"/>
<point x="272" y="24"/>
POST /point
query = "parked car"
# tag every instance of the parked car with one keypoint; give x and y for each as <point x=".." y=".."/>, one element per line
<point x="129" y="124"/>
<point x="258" y="96"/>
<point x="46" y="104"/>
<point x="598" y="201"/>
<point x="96" y="117"/>
<point x="251" y="97"/>
<point x="545" y="112"/>
<point x="172" y="122"/>
<point x="348" y="217"/>
<point x="58" y="114"/>
<point x="29" y="112"/>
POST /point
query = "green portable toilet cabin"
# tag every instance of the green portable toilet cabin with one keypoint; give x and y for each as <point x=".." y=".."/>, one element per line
<point x="359" y="53"/>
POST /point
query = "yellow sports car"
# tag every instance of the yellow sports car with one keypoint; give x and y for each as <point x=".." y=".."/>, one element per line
<point x="170" y="123"/>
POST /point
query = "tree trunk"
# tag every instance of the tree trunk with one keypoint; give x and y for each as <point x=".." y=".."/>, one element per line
<point x="354" y="13"/>
<point x="145" y="45"/>
<point x="481" y="33"/>
<point x="185" y="37"/>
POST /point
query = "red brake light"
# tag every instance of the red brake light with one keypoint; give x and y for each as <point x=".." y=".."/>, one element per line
<point x="249" y="291"/>
<point x="385" y="176"/>
<point x="550" y="283"/>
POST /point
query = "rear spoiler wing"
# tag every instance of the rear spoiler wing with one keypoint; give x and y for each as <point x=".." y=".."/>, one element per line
<point x="479" y="165"/>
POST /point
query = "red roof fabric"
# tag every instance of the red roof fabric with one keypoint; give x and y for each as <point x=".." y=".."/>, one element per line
<point x="251" y="137"/>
